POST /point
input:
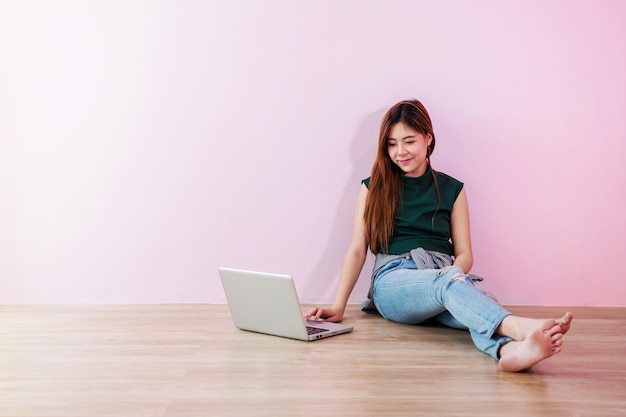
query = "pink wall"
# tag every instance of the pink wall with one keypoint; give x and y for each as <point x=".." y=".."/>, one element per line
<point x="145" y="144"/>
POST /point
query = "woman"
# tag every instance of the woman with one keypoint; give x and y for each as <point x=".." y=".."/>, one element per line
<point x="416" y="221"/>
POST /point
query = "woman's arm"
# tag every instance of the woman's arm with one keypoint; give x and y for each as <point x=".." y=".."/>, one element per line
<point x="461" y="239"/>
<point x="352" y="266"/>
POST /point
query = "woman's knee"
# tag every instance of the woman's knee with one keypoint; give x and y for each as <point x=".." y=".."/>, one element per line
<point x="454" y="273"/>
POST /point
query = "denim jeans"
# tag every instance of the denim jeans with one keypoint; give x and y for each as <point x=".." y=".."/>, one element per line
<point x="405" y="294"/>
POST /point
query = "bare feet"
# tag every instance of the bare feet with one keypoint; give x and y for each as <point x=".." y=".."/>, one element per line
<point x="533" y="340"/>
<point x="542" y="342"/>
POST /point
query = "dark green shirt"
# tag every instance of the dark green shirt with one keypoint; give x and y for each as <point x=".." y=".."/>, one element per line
<point x="415" y="226"/>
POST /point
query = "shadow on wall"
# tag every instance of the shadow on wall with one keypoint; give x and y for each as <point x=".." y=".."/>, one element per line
<point x="322" y="281"/>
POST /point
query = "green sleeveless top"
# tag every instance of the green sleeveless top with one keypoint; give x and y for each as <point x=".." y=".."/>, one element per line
<point x="415" y="226"/>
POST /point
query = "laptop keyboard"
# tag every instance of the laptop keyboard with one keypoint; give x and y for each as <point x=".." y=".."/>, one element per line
<point x="314" y="330"/>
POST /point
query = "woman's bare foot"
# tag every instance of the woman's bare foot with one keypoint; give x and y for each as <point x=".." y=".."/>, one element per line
<point x="519" y="328"/>
<point x="541" y="343"/>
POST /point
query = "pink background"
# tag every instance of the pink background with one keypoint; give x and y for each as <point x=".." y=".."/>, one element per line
<point x="144" y="144"/>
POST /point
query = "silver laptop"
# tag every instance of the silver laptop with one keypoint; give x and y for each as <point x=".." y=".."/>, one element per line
<point x="268" y="303"/>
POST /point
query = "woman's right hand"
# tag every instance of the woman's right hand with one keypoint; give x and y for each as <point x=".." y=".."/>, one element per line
<point x="328" y="314"/>
<point x="352" y="266"/>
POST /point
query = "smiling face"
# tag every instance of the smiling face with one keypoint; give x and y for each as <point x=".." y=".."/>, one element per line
<point x="408" y="149"/>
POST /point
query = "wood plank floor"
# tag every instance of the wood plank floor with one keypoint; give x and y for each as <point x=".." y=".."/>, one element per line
<point x="189" y="360"/>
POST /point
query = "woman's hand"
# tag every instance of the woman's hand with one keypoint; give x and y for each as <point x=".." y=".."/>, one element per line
<point x="328" y="314"/>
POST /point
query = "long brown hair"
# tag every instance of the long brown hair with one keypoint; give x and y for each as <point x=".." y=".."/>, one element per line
<point x="385" y="188"/>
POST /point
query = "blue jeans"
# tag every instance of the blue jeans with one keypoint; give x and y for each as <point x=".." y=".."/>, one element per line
<point x="405" y="294"/>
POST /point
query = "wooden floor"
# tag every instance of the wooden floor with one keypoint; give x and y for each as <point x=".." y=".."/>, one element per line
<point x="189" y="360"/>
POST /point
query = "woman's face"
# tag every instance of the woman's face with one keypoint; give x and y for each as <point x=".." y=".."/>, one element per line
<point x="408" y="149"/>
